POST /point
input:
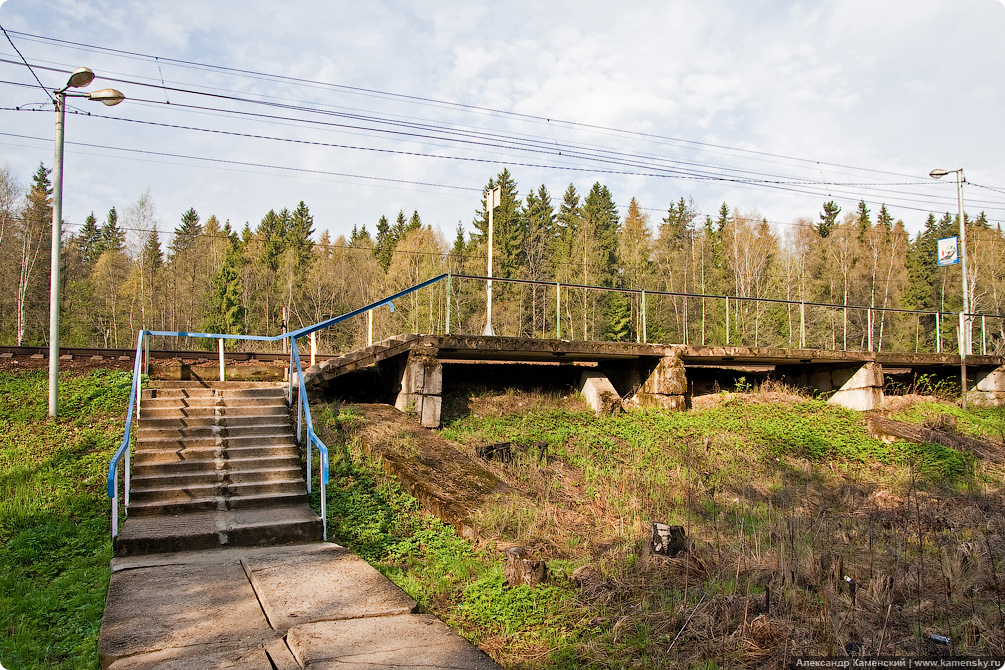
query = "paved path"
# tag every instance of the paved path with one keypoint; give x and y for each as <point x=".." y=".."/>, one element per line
<point x="315" y="606"/>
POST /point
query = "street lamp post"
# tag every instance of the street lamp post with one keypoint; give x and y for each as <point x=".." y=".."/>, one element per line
<point x="491" y="202"/>
<point x="81" y="77"/>
<point x="965" y="318"/>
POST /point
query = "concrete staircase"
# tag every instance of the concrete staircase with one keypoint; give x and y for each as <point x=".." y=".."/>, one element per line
<point x="215" y="464"/>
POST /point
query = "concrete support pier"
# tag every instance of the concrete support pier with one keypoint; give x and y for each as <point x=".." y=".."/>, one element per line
<point x="858" y="386"/>
<point x="989" y="390"/>
<point x="421" y="388"/>
<point x="599" y="392"/>
<point x="664" y="387"/>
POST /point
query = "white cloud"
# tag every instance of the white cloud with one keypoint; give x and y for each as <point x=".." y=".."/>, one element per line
<point x="897" y="86"/>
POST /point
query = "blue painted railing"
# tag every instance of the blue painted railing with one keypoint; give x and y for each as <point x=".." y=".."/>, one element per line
<point x="303" y="407"/>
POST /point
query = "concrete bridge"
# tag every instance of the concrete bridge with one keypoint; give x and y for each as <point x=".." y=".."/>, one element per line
<point x="408" y="370"/>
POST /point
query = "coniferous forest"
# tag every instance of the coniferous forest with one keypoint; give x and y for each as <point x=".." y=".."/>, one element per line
<point x="121" y="273"/>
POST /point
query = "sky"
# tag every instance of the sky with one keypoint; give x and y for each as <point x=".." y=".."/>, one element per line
<point x="364" y="109"/>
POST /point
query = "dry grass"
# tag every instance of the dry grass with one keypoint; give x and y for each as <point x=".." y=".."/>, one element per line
<point x="791" y="554"/>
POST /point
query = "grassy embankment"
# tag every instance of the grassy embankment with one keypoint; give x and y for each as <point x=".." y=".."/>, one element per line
<point x="54" y="516"/>
<point x="782" y="498"/>
<point x="785" y="498"/>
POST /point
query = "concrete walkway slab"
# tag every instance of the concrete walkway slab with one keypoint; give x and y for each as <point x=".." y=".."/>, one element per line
<point x="322" y="585"/>
<point x="409" y="641"/>
<point x="175" y="606"/>
<point x="242" y="608"/>
<point x="200" y="657"/>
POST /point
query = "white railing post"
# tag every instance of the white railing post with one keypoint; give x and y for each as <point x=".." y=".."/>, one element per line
<point x="727" y="320"/>
<point x="448" y="303"/>
<point x="645" y="327"/>
<point x="223" y="363"/>
<point x="802" y="325"/>
<point x="938" y="333"/>
<point x="314" y="347"/>
<point x="289" y="388"/>
<point x="984" y="335"/>
<point x="115" y="507"/>
<point x="558" y="310"/>
<point x="369" y="328"/>
<point x="126" y="478"/>
<point x="869" y="319"/>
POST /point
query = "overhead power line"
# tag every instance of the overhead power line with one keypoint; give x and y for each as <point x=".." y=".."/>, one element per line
<point x="255" y="74"/>
<point x="48" y="95"/>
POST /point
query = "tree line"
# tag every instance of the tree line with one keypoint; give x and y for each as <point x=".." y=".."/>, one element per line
<point x="119" y="277"/>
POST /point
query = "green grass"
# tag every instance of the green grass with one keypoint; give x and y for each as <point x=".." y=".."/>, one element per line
<point x="54" y="516"/>
<point x="813" y="430"/>
<point x="446" y="574"/>
<point x="766" y="488"/>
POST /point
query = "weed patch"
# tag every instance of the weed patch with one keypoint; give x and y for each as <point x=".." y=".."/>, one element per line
<point x="54" y="528"/>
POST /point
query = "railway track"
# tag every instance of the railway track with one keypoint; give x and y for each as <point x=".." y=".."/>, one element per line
<point x="85" y="353"/>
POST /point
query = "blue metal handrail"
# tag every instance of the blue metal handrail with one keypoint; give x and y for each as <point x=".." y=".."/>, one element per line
<point x="303" y="407"/>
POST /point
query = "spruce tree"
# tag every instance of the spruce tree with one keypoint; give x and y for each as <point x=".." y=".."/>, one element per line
<point x="153" y="257"/>
<point x="383" y="246"/>
<point x="828" y="219"/>
<point x="298" y="234"/>
<point x="600" y="215"/>
<point x="89" y="238"/>
<point x="226" y="313"/>
<point x="187" y="234"/>
<point x="272" y="231"/>
<point x="112" y="237"/>
<point x="567" y="223"/>
<point x="414" y="222"/>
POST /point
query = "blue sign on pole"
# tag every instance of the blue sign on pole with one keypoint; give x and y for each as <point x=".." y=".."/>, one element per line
<point x="949" y="251"/>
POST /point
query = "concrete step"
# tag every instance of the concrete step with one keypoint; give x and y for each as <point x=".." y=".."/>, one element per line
<point x="142" y="457"/>
<point x="212" y="411"/>
<point x="167" y="384"/>
<point x="182" y="494"/>
<point x="280" y="463"/>
<point x="213" y="401"/>
<point x="168" y="403"/>
<point x="178" y="443"/>
<point x="206" y="530"/>
<point x="213" y="420"/>
<point x="151" y="393"/>
<point x="169" y="477"/>
<point x="258" y="428"/>
<point x="214" y="502"/>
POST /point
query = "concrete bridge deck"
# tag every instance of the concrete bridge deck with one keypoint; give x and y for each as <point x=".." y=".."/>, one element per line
<point x="650" y="374"/>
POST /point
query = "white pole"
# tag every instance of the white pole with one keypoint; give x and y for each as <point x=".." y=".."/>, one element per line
<point x="963" y="264"/>
<point x="369" y="328"/>
<point x="314" y="347"/>
<point x="57" y="218"/>
<point x="491" y="202"/>
<point x="223" y="365"/>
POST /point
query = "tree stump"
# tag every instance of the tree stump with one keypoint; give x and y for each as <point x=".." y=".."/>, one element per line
<point x="668" y="540"/>
<point x="522" y="570"/>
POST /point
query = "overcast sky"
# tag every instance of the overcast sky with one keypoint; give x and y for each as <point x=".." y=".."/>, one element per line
<point x="374" y="107"/>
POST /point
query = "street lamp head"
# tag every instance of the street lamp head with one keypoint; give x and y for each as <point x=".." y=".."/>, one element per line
<point x="81" y="77"/>
<point x="938" y="173"/>
<point x="107" y="96"/>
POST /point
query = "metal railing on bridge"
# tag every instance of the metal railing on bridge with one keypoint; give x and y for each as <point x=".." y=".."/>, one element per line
<point x="569" y="310"/>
